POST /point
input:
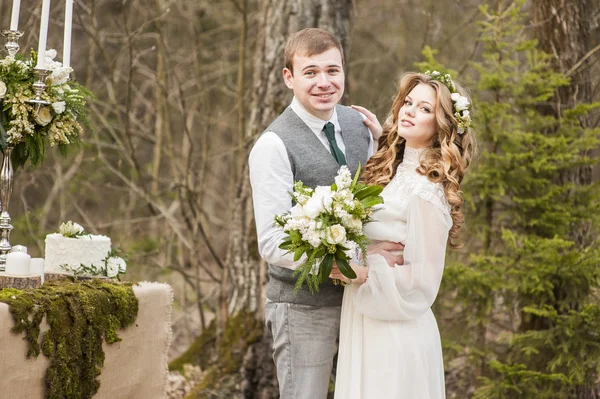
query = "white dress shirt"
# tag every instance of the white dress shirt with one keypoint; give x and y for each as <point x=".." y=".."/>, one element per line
<point x="272" y="182"/>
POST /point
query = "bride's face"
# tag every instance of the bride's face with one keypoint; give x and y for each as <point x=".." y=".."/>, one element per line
<point x="416" y="119"/>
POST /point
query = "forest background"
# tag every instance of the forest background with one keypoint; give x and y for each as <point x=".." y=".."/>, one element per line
<point x="184" y="87"/>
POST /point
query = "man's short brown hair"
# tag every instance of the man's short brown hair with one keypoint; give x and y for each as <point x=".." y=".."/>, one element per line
<point x="309" y="42"/>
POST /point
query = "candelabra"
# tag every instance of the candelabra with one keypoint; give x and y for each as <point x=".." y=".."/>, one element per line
<point x="12" y="41"/>
<point x="6" y="171"/>
<point x="6" y="180"/>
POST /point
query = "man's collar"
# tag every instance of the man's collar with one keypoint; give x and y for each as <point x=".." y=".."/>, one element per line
<point x="315" y="124"/>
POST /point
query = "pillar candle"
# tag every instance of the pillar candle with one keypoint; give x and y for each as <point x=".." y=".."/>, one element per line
<point x="14" y="18"/>
<point x="41" y="64"/>
<point x="36" y="267"/>
<point x="17" y="263"/>
<point x="68" y="28"/>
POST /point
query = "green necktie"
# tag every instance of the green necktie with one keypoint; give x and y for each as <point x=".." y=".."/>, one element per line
<point x="335" y="150"/>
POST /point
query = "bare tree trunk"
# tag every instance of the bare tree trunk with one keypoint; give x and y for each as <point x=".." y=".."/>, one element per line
<point x="562" y="28"/>
<point x="278" y="20"/>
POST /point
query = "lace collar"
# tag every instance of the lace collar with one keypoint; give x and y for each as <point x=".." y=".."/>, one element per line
<point x="412" y="155"/>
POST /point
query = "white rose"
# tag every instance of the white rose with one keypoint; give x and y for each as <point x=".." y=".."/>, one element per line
<point x="115" y="265"/>
<point x="59" y="107"/>
<point x="355" y="225"/>
<point x="44" y="116"/>
<point x="313" y="207"/>
<point x="323" y="194"/>
<point x="336" y="234"/>
<point x="455" y="96"/>
<point x="2" y="89"/>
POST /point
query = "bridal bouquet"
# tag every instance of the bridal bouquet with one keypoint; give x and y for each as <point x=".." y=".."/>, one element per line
<point x="326" y="225"/>
<point x="26" y="126"/>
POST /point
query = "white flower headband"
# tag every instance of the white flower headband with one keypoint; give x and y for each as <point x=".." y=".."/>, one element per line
<point x="461" y="103"/>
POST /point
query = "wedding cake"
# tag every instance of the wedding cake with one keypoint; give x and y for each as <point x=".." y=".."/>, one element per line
<point x="88" y="250"/>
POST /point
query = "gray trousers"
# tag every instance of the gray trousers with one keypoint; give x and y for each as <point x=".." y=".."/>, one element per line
<point x="305" y="341"/>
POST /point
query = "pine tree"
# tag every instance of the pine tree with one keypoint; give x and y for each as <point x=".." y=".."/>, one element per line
<point x="526" y="290"/>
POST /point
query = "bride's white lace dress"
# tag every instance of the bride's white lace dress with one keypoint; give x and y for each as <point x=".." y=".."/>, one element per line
<point x="389" y="340"/>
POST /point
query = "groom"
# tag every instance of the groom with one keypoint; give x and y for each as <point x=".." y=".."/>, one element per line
<point x="309" y="141"/>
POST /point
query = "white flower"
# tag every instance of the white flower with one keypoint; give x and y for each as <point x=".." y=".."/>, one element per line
<point x="71" y="229"/>
<point x="434" y="73"/>
<point x="336" y="234"/>
<point x="50" y="54"/>
<point x="323" y="194"/>
<point x="462" y="103"/>
<point x="2" y="89"/>
<point x="343" y="178"/>
<point x="297" y="211"/>
<point x="313" y="208"/>
<point x="59" y="107"/>
<point x="114" y="266"/>
<point x="60" y="75"/>
<point x="355" y="225"/>
<point x="44" y="116"/>
<point x="465" y="113"/>
<point x="454" y="96"/>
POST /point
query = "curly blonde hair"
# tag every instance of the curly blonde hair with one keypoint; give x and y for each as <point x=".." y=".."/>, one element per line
<point x="446" y="160"/>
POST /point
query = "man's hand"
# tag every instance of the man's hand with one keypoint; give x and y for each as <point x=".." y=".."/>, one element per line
<point x="389" y="250"/>
<point x="371" y="122"/>
<point x="362" y="273"/>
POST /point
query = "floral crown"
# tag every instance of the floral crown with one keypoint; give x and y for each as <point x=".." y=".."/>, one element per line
<point x="461" y="104"/>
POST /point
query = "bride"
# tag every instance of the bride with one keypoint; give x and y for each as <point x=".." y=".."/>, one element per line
<point x="389" y="340"/>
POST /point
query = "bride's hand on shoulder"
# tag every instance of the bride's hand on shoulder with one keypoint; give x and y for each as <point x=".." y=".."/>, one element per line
<point x="371" y="121"/>
<point x="362" y="274"/>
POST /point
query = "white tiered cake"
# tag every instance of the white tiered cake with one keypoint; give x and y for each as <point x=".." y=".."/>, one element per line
<point x="89" y="250"/>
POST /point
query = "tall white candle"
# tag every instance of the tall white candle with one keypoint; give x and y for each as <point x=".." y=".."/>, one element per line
<point x="41" y="64"/>
<point x="17" y="263"/>
<point x="14" y="18"/>
<point x="68" y="28"/>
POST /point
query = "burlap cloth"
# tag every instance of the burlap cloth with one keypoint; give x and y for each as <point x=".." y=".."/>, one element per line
<point x="135" y="367"/>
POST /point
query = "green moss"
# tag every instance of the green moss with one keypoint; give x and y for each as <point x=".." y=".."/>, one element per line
<point x="200" y="352"/>
<point x="241" y="330"/>
<point x="81" y="315"/>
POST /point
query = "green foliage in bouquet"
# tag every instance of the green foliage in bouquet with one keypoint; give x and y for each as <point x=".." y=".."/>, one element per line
<point x="27" y="127"/>
<point x="326" y="225"/>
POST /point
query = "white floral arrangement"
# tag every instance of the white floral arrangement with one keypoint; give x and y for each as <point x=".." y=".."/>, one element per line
<point x="461" y="103"/>
<point x="114" y="266"/>
<point x="71" y="229"/>
<point x="326" y="225"/>
<point x="26" y="126"/>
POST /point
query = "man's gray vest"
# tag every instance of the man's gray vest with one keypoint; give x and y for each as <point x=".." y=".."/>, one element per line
<point x="313" y="164"/>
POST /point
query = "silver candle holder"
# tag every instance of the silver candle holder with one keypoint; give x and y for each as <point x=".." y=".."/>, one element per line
<point x="38" y="87"/>
<point x="6" y="181"/>
<point x="12" y="41"/>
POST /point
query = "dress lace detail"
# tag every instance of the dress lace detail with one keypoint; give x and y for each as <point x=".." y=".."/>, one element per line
<point x="434" y="193"/>
<point x="412" y="155"/>
<point x="408" y="182"/>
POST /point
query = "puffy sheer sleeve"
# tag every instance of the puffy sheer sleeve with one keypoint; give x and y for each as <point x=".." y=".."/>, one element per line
<point x="407" y="291"/>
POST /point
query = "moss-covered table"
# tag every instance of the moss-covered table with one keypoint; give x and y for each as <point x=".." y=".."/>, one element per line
<point x="135" y="367"/>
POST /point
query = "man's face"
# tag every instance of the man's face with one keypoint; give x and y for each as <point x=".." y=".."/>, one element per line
<point x="317" y="82"/>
